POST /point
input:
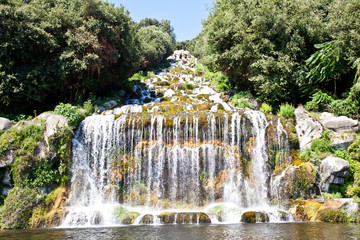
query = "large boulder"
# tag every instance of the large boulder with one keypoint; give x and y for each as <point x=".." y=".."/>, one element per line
<point x="307" y="129"/>
<point x="337" y="210"/>
<point x="253" y="217"/>
<point x="305" y="210"/>
<point x="347" y="204"/>
<point x="340" y="124"/>
<point x="5" y="123"/>
<point x="344" y="129"/>
<point x="53" y="124"/>
<point x="110" y="105"/>
<point x="333" y="170"/>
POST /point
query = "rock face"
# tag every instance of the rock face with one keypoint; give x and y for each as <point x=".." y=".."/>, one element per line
<point x="53" y="124"/>
<point x="5" y="123"/>
<point x="181" y="55"/>
<point x="333" y="170"/>
<point x="307" y="129"/>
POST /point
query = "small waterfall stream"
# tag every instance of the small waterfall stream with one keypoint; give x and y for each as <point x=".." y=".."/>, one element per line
<point x="167" y="157"/>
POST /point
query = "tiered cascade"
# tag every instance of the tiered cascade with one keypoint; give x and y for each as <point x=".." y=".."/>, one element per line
<point x="187" y="157"/>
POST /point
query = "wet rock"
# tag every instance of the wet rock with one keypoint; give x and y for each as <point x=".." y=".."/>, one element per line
<point x="110" y="105"/>
<point x="147" y="219"/>
<point x="167" y="218"/>
<point x="130" y="218"/>
<point x="169" y="93"/>
<point x="307" y="129"/>
<point x="5" y="123"/>
<point x="253" y="217"/>
<point x="204" y="218"/>
<point x="254" y="104"/>
<point x="204" y="90"/>
<point x="333" y="170"/>
<point x="305" y="210"/>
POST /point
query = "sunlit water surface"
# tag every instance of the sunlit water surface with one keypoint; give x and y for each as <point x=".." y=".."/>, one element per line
<point x="291" y="231"/>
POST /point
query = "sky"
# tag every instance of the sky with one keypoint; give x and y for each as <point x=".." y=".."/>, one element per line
<point x="185" y="15"/>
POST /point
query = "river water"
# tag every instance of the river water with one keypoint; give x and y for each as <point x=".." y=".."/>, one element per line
<point x="266" y="231"/>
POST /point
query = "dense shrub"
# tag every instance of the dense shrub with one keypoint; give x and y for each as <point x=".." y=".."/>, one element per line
<point x="61" y="51"/>
<point x="266" y="108"/>
<point x="286" y="111"/>
<point x="72" y="113"/>
<point x="320" y="101"/>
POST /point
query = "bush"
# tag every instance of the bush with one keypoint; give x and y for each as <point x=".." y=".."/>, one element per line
<point x="354" y="150"/>
<point x="321" y="145"/>
<point x="241" y="103"/>
<point x="266" y="108"/>
<point x="319" y="102"/>
<point x="88" y="107"/>
<point x="72" y="114"/>
<point x="44" y="175"/>
<point x="223" y="87"/>
<point x="286" y="111"/>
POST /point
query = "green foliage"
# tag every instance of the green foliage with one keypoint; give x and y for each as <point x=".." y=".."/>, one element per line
<point x="88" y="107"/>
<point x="321" y="145"/>
<point x="331" y="215"/>
<point x="189" y="86"/>
<point x="240" y="100"/>
<point x="262" y="45"/>
<point x="354" y="150"/>
<point x="328" y="196"/>
<point x="241" y="103"/>
<point x="121" y="212"/>
<point x="326" y="64"/>
<point x="72" y="113"/>
<point x="44" y="175"/>
<point x="304" y="181"/>
<point x="223" y="83"/>
<point x="18" y="207"/>
<point x="156" y="45"/>
<point x="286" y="111"/>
<point x="63" y="51"/>
<point x="266" y="108"/>
<point x="319" y="102"/>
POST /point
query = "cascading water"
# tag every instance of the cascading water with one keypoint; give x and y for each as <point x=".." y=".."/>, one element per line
<point x="192" y="163"/>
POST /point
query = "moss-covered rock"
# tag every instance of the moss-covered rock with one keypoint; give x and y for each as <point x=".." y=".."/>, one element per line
<point x="51" y="212"/>
<point x="253" y="217"/>
<point x="147" y="219"/>
<point x="18" y="207"/>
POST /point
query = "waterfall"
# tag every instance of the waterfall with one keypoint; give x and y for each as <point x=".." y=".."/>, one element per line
<point x="156" y="160"/>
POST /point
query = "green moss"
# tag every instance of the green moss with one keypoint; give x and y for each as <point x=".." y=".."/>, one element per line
<point x="124" y="216"/>
<point x="331" y="215"/>
<point x="18" y="207"/>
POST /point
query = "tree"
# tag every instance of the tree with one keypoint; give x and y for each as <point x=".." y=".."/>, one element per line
<point x="263" y="45"/>
<point x="327" y="63"/>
